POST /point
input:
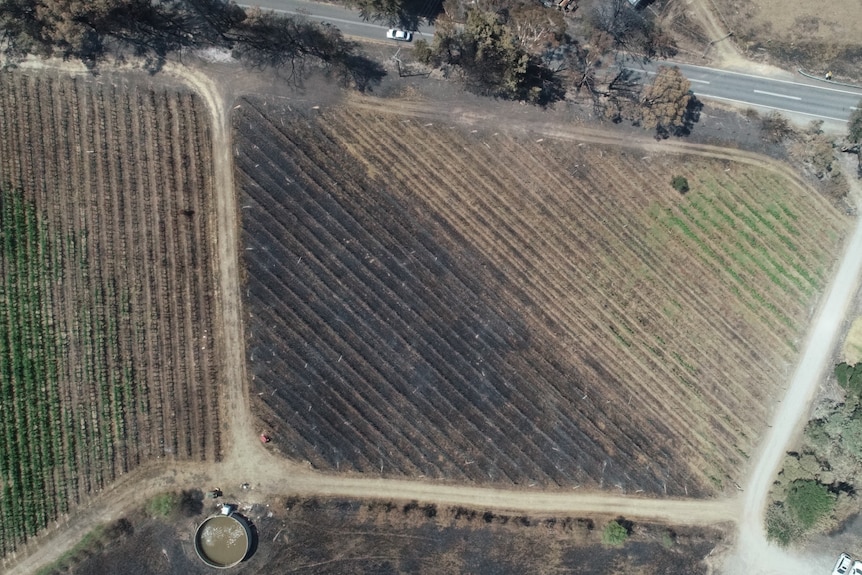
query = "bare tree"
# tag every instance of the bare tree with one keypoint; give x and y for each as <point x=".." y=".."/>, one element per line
<point x="631" y="29"/>
<point x="536" y="27"/>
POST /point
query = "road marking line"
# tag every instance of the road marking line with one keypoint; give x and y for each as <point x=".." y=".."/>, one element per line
<point x="651" y="73"/>
<point x="815" y="86"/>
<point x="843" y="120"/>
<point x="777" y="95"/>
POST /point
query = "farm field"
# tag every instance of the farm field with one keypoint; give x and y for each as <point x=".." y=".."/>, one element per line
<point x="425" y="301"/>
<point x="106" y="359"/>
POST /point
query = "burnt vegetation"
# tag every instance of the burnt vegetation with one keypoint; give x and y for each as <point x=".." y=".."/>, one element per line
<point x="91" y="30"/>
<point x="521" y="50"/>
<point x="346" y="537"/>
<point x="380" y="345"/>
<point x="457" y="317"/>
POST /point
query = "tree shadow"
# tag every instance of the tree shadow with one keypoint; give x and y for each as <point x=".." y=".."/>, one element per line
<point x="360" y="72"/>
<point x="255" y="538"/>
<point x="690" y="118"/>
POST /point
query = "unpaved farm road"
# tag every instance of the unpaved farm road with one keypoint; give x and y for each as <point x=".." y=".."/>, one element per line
<point x="246" y="460"/>
<point x="791" y="416"/>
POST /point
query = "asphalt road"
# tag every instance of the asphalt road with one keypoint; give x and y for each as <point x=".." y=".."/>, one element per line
<point x="346" y="20"/>
<point x="801" y="98"/>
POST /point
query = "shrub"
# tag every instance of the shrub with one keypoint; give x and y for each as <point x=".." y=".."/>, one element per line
<point x="850" y="377"/>
<point x="680" y="184"/>
<point x="423" y="52"/>
<point x="668" y="539"/>
<point x="163" y="505"/>
<point x="775" y="127"/>
<point x="780" y="526"/>
<point x="614" y="534"/>
<point x="809" y="501"/>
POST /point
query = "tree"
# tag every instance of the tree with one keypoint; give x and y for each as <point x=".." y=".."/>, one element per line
<point x="666" y="102"/>
<point x="854" y="134"/>
<point x="630" y="29"/>
<point x="492" y="59"/>
<point x="536" y="27"/>
<point x="850" y="377"/>
<point x="626" y="26"/>
<point x="90" y="29"/>
<point x="404" y="13"/>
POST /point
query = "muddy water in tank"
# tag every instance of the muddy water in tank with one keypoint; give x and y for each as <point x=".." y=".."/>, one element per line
<point x="223" y="540"/>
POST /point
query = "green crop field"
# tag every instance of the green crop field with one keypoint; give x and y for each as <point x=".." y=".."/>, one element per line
<point x="106" y="326"/>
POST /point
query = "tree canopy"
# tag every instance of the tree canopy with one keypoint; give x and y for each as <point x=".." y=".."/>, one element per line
<point x="492" y="59"/>
<point x="666" y="101"/>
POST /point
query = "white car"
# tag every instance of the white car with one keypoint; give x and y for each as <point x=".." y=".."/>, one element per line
<point x="856" y="569"/>
<point x="842" y="566"/>
<point x="402" y="35"/>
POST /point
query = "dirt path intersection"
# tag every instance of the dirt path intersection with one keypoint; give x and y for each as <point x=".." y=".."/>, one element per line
<point x="246" y="459"/>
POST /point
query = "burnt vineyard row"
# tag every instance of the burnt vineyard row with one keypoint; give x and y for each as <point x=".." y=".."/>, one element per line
<point x="679" y="310"/>
<point x="119" y="180"/>
<point x="476" y="312"/>
<point x="388" y="349"/>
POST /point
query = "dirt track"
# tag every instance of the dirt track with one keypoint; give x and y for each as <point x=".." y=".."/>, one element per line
<point x="245" y="459"/>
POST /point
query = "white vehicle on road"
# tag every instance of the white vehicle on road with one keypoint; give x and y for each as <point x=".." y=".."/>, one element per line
<point x="402" y="35"/>
<point x="856" y="569"/>
<point x="842" y="566"/>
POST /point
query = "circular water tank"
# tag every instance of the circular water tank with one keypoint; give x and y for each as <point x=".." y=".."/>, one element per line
<point x="222" y="541"/>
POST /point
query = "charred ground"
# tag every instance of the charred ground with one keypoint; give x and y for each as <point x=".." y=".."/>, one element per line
<point x="325" y="536"/>
<point x="427" y="302"/>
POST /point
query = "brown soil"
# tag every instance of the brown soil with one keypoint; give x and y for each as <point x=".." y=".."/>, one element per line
<point x="769" y="33"/>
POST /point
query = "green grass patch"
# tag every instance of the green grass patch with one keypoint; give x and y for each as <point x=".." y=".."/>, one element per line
<point x="614" y="534"/>
<point x="809" y="501"/>
<point x="163" y="505"/>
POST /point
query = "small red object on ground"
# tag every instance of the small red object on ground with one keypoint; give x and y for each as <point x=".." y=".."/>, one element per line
<point x="264" y="438"/>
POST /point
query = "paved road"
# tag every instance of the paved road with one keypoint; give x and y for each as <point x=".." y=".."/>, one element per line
<point x="801" y="98"/>
<point x="348" y="21"/>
